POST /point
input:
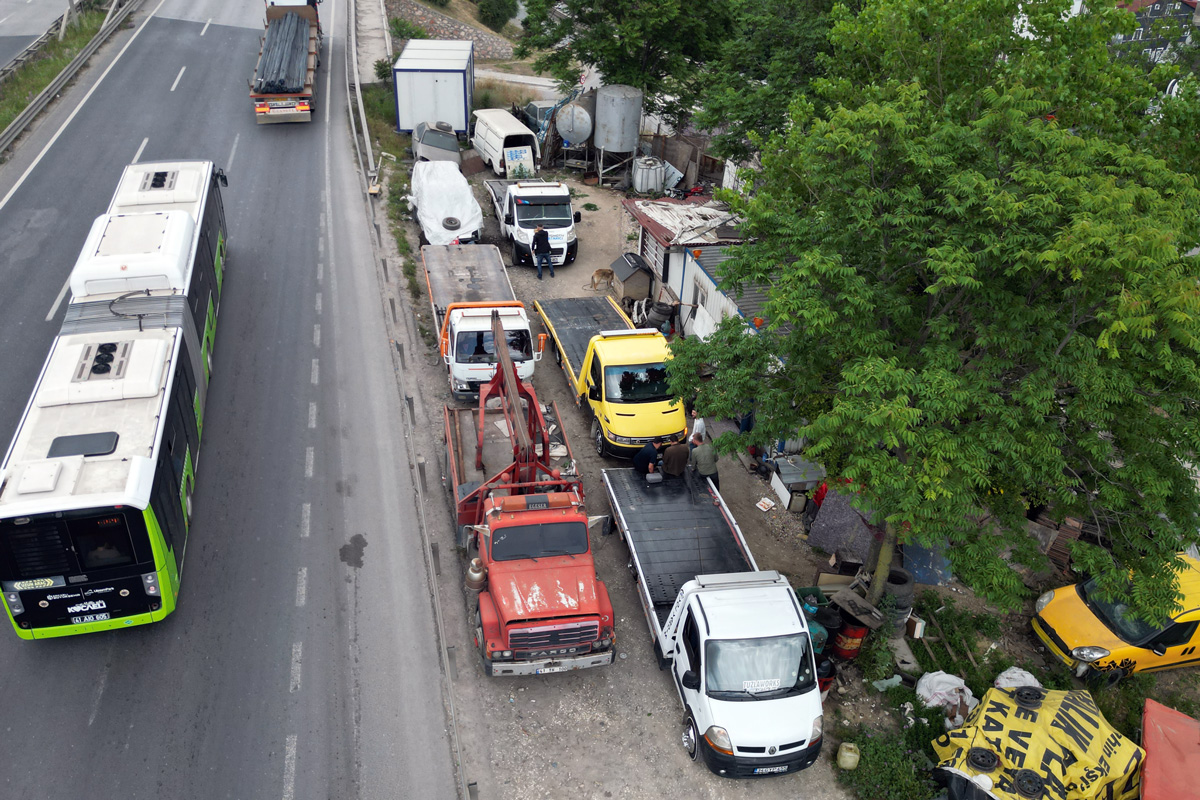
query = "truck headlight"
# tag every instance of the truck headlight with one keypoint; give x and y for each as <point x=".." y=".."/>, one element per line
<point x="571" y="236"/>
<point x="1088" y="654"/>
<point x="718" y="739"/>
<point x="620" y="439"/>
<point x="817" y="729"/>
<point x="1043" y="601"/>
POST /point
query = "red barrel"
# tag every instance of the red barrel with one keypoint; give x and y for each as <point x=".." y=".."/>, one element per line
<point x="825" y="673"/>
<point x="849" y="640"/>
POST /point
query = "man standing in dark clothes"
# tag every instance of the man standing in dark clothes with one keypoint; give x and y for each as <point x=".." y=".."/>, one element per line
<point x="541" y="250"/>
<point x="675" y="459"/>
<point x="814" y="505"/>
<point x="704" y="459"/>
<point x="645" y="459"/>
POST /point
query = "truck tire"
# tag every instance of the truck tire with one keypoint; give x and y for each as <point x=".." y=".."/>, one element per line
<point x="598" y="438"/>
<point x="900" y="585"/>
<point x="516" y="254"/>
<point x="690" y="738"/>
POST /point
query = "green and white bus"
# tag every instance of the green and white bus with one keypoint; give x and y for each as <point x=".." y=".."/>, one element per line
<point x="95" y="490"/>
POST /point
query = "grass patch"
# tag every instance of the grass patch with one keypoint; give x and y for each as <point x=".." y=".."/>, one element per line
<point x="402" y="29"/>
<point x="590" y="207"/>
<point x="493" y="94"/>
<point x="380" y="105"/>
<point x="32" y="78"/>
<point x="887" y="768"/>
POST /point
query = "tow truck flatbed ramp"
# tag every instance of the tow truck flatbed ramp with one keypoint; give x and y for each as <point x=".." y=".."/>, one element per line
<point x="674" y="532"/>
<point x="576" y="320"/>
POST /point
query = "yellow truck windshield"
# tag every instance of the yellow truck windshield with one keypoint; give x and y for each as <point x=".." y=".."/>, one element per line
<point x="636" y="383"/>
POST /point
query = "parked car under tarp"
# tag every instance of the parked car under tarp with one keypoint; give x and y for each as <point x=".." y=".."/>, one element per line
<point x="1031" y="743"/>
<point x="447" y="210"/>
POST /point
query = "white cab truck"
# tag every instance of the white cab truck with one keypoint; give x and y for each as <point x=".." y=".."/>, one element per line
<point x="733" y="637"/>
<point x="466" y="284"/>
<point x="522" y="205"/>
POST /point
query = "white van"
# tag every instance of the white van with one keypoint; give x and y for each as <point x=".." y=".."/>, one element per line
<point x="504" y="143"/>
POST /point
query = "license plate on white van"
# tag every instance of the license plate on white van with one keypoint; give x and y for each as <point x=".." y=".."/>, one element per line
<point x="770" y="770"/>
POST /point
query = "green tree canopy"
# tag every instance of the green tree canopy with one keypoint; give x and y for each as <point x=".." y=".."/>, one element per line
<point x="657" y="47"/>
<point x="771" y="53"/>
<point x="979" y="294"/>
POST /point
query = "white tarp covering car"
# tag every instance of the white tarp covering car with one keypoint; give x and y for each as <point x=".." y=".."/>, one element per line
<point x="447" y="210"/>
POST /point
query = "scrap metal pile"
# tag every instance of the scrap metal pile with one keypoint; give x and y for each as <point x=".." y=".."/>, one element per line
<point x="284" y="64"/>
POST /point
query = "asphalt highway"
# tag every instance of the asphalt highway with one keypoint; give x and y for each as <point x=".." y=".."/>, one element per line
<point x="23" y="21"/>
<point x="303" y="660"/>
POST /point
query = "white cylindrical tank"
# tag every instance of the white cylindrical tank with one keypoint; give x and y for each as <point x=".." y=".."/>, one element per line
<point x="648" y="175"/>
<point x="618" y="118"/>
<point x="576" y="121"/>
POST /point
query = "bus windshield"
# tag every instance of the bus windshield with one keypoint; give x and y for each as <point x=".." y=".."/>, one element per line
<point x="539" y="541"/>
<point x="72" y="543"/>
<point x="636" y="383"/>
<point x="556" y="215"/>
<point x="478" y="347"/>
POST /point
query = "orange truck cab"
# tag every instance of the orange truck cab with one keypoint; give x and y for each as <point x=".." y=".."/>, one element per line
<point x="1102" y="641"/>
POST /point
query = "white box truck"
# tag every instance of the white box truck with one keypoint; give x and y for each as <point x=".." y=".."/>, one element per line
<point x="434" y="81"/>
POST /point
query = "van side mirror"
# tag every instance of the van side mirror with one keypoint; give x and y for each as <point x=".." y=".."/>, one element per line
<point x="508" y="219"/>
<point x="578" y="216"/>
<point x="594" y="392"/>
<point x="690" y="680"/>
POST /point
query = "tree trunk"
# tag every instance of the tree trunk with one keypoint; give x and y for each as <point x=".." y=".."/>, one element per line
<point x="883" y="565"/>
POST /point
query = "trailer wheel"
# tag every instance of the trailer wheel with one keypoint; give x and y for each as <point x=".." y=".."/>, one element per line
<point x="598" y="438"/>
<point x="690" y="737"/>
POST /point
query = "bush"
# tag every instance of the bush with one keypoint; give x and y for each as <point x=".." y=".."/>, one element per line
<point x="887" y="768"/>
<point x="403" y="29"/>
<point x="438" y="3"/>
<point x="383" y="71"/>
<point x="496" y="13"/>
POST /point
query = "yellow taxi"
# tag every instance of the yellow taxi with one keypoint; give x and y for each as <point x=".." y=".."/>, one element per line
<point x="1103" y="642"/>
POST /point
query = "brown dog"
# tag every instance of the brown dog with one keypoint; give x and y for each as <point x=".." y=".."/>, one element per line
<point x="602" y="278"/>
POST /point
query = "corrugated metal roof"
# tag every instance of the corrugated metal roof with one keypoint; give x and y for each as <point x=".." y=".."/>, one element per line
<point x="681" y="223"/>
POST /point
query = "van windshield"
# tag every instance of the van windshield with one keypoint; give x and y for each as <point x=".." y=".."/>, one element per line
<point x="754" y="668"/>
<point x="551" y="215"/>
<point x="636" y="383"/>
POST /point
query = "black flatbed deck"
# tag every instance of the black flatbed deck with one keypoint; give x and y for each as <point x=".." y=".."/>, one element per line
<point x="674" y="533"/>
<point x="471" y="273"/>
<point x="573" y="321"/>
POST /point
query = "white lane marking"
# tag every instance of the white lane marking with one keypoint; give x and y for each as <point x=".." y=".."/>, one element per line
<point x="316" y="372"/>
<point x="317" y="335"/>
<point x="177" y="77"/>
<point x="312" y="415"/>
<point x="29" y="170"/>
<point x="297" y="654"/>
<point x="58" y="300"/>
<point x="318" y="302"/>
<point x="309" y="458"/>
<point x="204" y="30"/>
<point x="289" y="769"/>
<point x="321" y="246"/>
<point x="141" y="147"/>
<point x="305" y="520"/>
<point x="320" y="270"/>
<point x="301" y="587"/>
<point x="232" y="152"/>
<point x="2" y="21"/>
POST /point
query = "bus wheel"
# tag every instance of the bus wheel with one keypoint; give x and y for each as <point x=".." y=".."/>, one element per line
<point x="598" y="438"/>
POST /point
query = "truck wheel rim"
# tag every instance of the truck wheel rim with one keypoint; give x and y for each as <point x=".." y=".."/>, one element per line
<point x="689" y="738"/>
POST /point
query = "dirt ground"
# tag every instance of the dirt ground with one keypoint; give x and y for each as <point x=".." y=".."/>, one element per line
<point x="600" y="733"/>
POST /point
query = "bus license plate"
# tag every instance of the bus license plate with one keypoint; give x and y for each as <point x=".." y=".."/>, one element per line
<point x="90" y="618"/>
<point x="547" y="670"/>
<point x="770" y="770"/>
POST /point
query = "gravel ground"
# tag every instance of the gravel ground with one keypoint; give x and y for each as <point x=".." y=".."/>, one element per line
<point x="610" y="732"/>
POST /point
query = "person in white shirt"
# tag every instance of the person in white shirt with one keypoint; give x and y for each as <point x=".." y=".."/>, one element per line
<point x="698" y="429"/>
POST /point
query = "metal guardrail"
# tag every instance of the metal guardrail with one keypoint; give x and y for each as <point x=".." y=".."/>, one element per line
<point x="116" y="18"/>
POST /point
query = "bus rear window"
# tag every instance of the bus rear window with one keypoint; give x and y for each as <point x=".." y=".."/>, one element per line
<point x="102" y="542"/>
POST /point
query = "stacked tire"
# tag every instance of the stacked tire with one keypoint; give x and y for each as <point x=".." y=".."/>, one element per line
<point x="901" y="587"/>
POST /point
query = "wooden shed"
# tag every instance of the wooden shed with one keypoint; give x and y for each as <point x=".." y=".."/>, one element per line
<point x="632" y="277"/>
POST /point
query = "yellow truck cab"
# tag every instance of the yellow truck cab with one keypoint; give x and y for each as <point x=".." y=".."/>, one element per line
<point x="1103" y="642"/>
<point x="619" y="373"/>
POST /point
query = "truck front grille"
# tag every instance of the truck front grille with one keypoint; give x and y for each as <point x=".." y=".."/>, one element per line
<point x="553" y="636"/>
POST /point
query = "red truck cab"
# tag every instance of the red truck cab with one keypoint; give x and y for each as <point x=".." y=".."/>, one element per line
<point x="543" y="609"/>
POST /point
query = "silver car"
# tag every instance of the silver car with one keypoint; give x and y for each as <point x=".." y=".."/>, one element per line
<point x="435" y="141"/>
